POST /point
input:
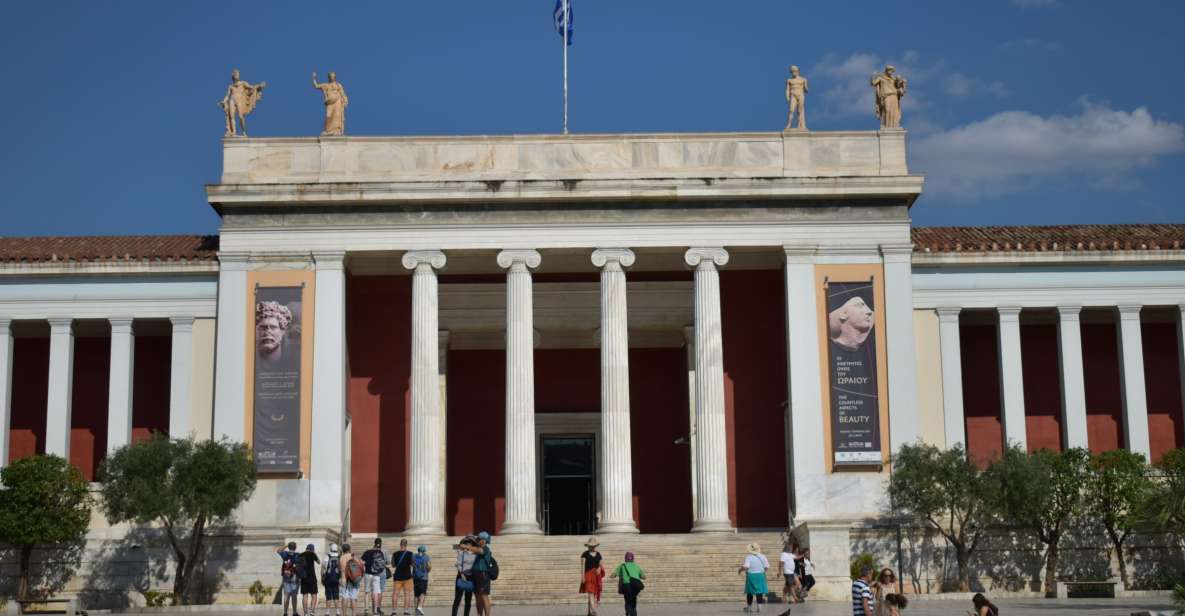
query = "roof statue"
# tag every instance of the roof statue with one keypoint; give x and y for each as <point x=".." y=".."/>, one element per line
<point x="335" y="104"/>
<point x="240" y="100"/>
<point x="796" y="96"/>
<point x="889" y="88"/>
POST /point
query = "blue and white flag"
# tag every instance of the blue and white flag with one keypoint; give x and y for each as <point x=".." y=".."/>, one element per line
<point x="558" y="16"/>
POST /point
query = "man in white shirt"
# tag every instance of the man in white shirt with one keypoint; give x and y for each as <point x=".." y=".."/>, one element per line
<point x="790" y="588"/>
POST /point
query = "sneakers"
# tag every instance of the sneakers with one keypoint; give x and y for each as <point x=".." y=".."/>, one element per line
<point x="419" y="611"/>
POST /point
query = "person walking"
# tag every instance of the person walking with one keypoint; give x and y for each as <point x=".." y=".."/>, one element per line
<point x="862" y="599"/>
<point x="983" y="607"/>
<point x="420" y="567"/>
<point x="483" y="563"/>
<point x="592" y="574"/>
<point x="885" y="584"/>
<point x="629" y="575"/>
<point x="375" y="562"/>
<point x="353" y="573"/>
<point x="331" y="579"/>
<point x="788" y="570"/>
<point x="401" y="564"/>
<point x="808" y="573"/>
<point x="754" y="568"/>
<point x="463" y="587"/>
<point x="306" y="569"/>
<point x="289" y="584"/>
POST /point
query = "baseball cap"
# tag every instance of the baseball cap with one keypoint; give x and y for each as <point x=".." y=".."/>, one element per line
<point x="310" y="547"/>
<point x="378" y="541"/>
<point x="484" y="536"/>
<point x="423" y="549"/>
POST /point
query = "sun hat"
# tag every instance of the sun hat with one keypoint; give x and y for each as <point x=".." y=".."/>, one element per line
<point x="629" y="557"/>
<point x="423" y="549"/>
<point x="592" y="542"/>
<point x="754" y="548"/>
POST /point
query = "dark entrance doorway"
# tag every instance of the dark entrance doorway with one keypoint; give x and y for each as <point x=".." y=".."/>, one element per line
<point x="569" y="485"/>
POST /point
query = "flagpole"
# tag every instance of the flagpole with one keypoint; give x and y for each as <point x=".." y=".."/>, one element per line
<point x="565" y="26"/>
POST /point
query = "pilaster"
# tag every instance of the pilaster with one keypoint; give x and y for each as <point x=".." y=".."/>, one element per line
<point x="230" y="370"/>
<point x="328" y="473"/>
<point x="5" y="388"/>
<point x="808" y="459"/>
<point x="904" y="425"/>
<point x="952" y="376"/>
<point x="181" y="378"/>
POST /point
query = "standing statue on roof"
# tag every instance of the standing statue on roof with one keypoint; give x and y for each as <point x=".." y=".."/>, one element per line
<point x="889" y="88"/>
<point x="240" y="100"/>
<point x="796" y="95"/>
<point x="335" y="104"/>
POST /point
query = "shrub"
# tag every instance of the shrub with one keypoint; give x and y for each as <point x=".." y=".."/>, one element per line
<point x="259" y="592"/>
<point x="861" y="561"/>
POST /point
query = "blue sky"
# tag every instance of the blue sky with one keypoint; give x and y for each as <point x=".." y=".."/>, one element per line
<point x="1020" y="112"/>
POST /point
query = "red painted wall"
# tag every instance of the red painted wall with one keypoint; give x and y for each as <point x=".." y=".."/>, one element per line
<point x="659" y="414"/>
<point x="30" y="386"/>
<point x="567" y="380"/>
<point x="150" y="390"/>
<point x="981" y="392"/>
<point x="1042" y="385"/>
<point x="753" y="316"/>
<point x="378" y="335"/>
<point x="1104" y="400"/>
<point x="88" y="411"/>
<point x="1162" y="379"/>
<point x="476" y="441"/>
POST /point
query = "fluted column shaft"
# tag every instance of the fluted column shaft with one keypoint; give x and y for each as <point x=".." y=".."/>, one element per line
<point x="617" y="512"/>
<point x="5" y="388"/>
<point x="1131" y="373"/>
<point x="521" y="486"/>
<point x="119" y="389"/>
<point x="61" y="387"/>
<point x="1012" y="384"/>
<point x="1073" y="381"/>
<point x="711" y="473"/>
<point x="426" y="516"/>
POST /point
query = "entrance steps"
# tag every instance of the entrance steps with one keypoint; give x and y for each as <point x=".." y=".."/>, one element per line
<point x="538" y="570"/>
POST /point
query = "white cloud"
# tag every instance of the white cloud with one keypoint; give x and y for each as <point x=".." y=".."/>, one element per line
<point x="1014" y="150"/>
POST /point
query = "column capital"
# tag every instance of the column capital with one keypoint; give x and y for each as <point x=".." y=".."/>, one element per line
<point x="1069" y="312"/>
<point x="5" y="328"/>
<point x="612" y="258"/>
<point x="120" y="325"/>
<point x="233" y="261"/>
<point x="800" y="254"/>
<point x="329" y="259"/>
<point x="710" y="257"/>
<point x="1008" y="313"/>
<point x="948" y="313"/>
<point x="509" y="259"/>
<point x="897" y="252"/>
<point x="1129" y="311"/>
<point x="182" y="324"/>
<point x="434" y="259"/>
<point x="61" y="325"/>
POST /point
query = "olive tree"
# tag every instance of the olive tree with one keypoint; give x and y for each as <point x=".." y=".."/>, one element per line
<point x="44" y="501"/>
<point x="184" y="485"/>
<point x="1118" y="484"/>
<point x="1164" y="507"/>
<point x="946" y="490"/>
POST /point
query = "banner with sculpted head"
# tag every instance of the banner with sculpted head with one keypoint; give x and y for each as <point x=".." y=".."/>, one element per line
<point x="276" y="425"/>
<point x="851" y="366"/>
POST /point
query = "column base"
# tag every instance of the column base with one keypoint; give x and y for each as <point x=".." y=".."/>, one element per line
<point x="425" y="530"/>
<point x="713" y="526"/>
<point x="626" y="527"/>
<point x="521" y="528"/>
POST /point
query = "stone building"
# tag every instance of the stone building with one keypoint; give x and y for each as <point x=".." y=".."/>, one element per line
<point x="703" y="338"/>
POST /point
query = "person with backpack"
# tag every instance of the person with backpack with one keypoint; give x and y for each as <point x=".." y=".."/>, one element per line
<point x="401" y="565"/>
<point x="420" y="567"/>
<point x="353" y="573"/>
<point x="289" y="584"/>
<point x="306" y="571"/>
<point x="331" y="579"/>
<point x="629" y="576"/>
<point x="464" y="585"/>
<point x="376" y="574"/>
<point x="485" y="570"/>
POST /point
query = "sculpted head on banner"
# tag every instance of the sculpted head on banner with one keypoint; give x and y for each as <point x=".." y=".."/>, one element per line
<point x="850" y="324"/>
<point x="271" y="325"/>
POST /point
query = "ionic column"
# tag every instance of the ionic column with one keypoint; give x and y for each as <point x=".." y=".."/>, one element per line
<point x="442" y="370"/>
<point x="711" y="473"/>
<point x="904" y="424"/>
<point x="1131" y="372"/>
<point x="1012" y="386"/>
<point x="5" y="388"/>
<point x="327" y="471"/>
<point x="230" y="363"/>
<point x="61" y="386"/>
<point x="952" y="376"/>
<point x="689" y="348"/>
<point x="521" y="489"/>
<point x="119" y="389"/>
<point x="616" y="466"/>
<point x="181" y="377"/>
<point x="808" y="449"/>
<point x="1073" y="383"/>
<point x="426" y="516"/>
<point x="1180" y="349"/>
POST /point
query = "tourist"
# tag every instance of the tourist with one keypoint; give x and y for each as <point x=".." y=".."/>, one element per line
<point x="885" y="584"/>
<point x="789" y="572"/>
<point x="895" y="603"/>
<point x="591" y="575"/>
<point x="862" y="599"/>
<point x="808" y="573"/>
<point x="376" y="575"/>
<point x="331" y="579"/>
<point x="629" y="576"/>
<point x="480" y="573"/>
<point x="420" y="567"/>
<point x="401" y="563"/>
<point x="463" y="587"/>
<point x="354" y="573"/>
<point x="983" y="607"/>
<point x="306" y="569"/>
<point x="754" y="568"/>
<point x="289" y="584"/>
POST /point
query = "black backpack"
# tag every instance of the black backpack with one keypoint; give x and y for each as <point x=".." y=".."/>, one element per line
<point x="302" y="568"/>
<point x="333" y="573"/>
<point x="492" y="571"/>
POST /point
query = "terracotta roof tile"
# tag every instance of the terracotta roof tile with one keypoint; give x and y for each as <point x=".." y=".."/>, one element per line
<point x="1057" y="238"/>
<point x="108" y="249"/>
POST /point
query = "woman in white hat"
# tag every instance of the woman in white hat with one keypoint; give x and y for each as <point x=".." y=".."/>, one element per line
<point x="592" y="574"/>
<point x="754" y="569"/>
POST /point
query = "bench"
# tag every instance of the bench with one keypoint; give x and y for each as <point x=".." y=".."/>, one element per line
<point x="69" y="607"/>
<point x="1066" y="589"/>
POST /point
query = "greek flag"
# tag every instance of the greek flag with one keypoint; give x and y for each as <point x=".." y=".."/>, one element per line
<point x="558" y="16"/>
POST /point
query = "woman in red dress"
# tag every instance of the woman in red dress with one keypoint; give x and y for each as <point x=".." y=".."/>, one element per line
<point x="592" y="575"/>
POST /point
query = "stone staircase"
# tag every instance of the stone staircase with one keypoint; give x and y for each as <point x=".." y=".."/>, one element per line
<point x="546" y="570"/>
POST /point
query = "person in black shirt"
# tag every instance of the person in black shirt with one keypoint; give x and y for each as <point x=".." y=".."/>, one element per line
<point x="376" y="575"/>
<point x="592" y="576"/>
<point x="402" y="562"/>
<point x="307" y="572"/>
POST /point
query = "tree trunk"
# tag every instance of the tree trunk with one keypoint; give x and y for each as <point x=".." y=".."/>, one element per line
<point x="1117" y="543"/>
<point x="964" y="574"/>
<point x="180" y="580"/>
<point x="1051" y="558"/>
<point x="196" y="535"/>
<point x="26" y="555"/>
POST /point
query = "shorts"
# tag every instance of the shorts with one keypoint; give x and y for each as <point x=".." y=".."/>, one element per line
<point x="290" y="588"/>
<point x="421" y="587"/>
<point x="402" y="586"/>
<point x="481" y="582"/>
<point x="308" y="586"/>
<point x="790" y="580"/>
<point x="331" y="592"/>
<point x="376" y="583"/>
<point x="350" y="592"/>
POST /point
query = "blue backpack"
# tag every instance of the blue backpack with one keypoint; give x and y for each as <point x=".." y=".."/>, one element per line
<point x="419" y="567"/>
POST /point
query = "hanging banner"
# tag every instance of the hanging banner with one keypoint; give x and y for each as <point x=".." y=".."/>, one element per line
<point x="851" y="366"/>
<point x="276" y="425"/>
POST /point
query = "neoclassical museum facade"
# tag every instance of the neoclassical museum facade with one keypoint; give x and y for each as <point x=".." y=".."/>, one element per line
<point x="568" y="334"/>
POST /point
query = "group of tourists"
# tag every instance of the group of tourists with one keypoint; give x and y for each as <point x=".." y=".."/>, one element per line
<point x="629" y="576"/>
<point x="881" y="597"/>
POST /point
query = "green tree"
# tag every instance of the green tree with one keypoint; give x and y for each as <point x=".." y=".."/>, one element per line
<point x="1118" y="485"/>
<point x="1042" y="491"/>
<point x="45" y="501"/>
<point x="1164" y="508"/>
<point x="946" y="490"/>
<point x="186" y="486"/>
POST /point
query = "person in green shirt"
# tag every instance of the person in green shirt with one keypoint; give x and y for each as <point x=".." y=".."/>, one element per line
<point x="630" y="576"/>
